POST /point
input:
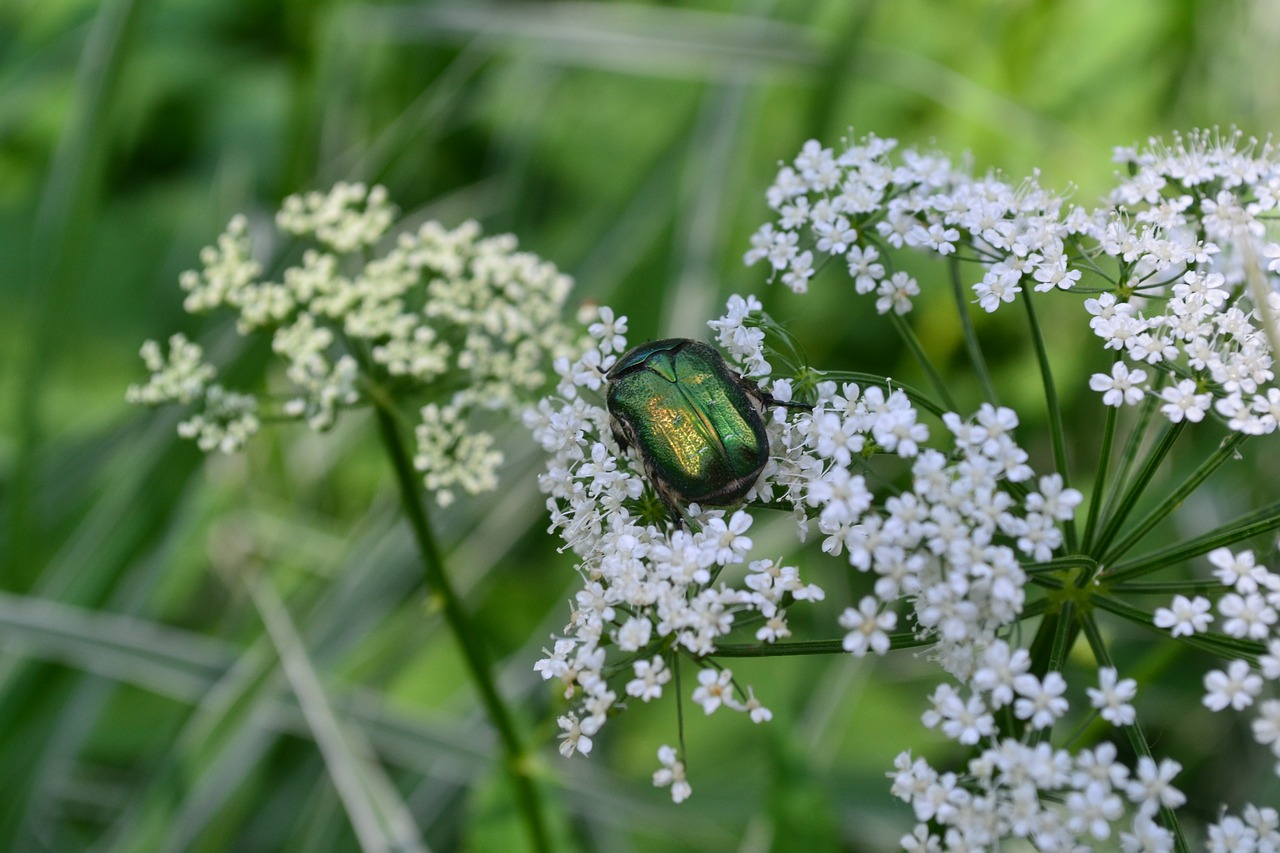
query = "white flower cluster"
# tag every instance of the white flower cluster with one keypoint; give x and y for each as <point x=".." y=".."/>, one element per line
<point x="1193" y="301"/>
<point x="952" y="544"/>
<point x="226" y="419"/>
<point x="1249" y="611"/>
<point x="1018" y="789"/>
<point x="859" y="203"/>
<point x="1056" y="799"/>
<point x="651" y="594"/>
<point x="1090" y="796"/>
<point x="1191" y="305"/>
<point x="452" y="312"/>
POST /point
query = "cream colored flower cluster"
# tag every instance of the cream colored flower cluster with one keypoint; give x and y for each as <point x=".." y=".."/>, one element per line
<point x="452" y="319"/>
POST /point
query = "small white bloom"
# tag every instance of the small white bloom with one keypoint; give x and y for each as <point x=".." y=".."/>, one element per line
<point x="868" y="628"/>
<point x="1112" y="697"/>
<point x="1182" y="401"/>
<point x="1236" y="688"/>
<point x="1185" y="616"/>
<point x="715" y="689"/>
<point x="1150" y="788"/>
<point x="672" y="773"/>
<point x="1122" y="387"/>
<point x="651" y="675"/>
<point x="1041" y="701"/>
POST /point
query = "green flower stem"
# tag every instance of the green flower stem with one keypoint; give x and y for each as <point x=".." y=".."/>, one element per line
<point x="1056" y="429"/>
<point x="908" y="336"/>
<point x="970" y="334"/>
<point x="1140" y="482"/>
<point x="916" y="396"/>
<point x="1053" y="641"/>
<point x="1168" y="588"/>
<point x="518" y="761"/>
<point x="1100" y="479"/>
<point x="1225" y="451"/>
<point x="1137" y="740"/>
<point x="1130" y="454"/>
<point x="1215" y="643"/>
<point x="1263" y="520"/>
<point x="1074" y="561"/>
<point x="901" y="640"/>
<point x="684" y="752"/>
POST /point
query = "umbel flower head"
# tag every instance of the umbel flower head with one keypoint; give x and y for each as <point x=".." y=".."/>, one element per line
<point x="1190" y="305"/>
<point x="945" y="552"/>
<point x="1181" y="274"/>
<point x="463" y="321"/>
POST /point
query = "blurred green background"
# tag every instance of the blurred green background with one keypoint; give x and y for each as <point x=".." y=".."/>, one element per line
<point x="142" y="702"/>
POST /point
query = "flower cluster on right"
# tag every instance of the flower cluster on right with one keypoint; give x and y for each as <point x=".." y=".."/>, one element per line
<point x="1178" y="274"/>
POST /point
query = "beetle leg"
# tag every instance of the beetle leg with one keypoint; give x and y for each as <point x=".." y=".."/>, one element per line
<point x="763" y="399"/>
<point x="621" y="434"/>
<point x="669" y="500"/>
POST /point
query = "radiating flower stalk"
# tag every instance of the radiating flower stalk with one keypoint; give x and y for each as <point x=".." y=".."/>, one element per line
<point x="461" y="325"/>
<point x="961" y="541"/>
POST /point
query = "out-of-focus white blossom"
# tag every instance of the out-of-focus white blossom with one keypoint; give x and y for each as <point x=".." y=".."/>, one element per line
<point x="467" y="322"/>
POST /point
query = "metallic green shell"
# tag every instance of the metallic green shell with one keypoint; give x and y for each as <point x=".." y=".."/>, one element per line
<point x="698" y="425"/>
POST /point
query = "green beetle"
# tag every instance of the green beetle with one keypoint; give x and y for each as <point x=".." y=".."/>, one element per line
<point x="698" y="425"/>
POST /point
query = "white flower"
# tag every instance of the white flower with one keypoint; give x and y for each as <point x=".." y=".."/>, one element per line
<point x="1122" y="387"/>
<point x="573" y="737"/>
<point x="723" y="542"/>
<point x="672" y="773"/>
<point x="1150" y="787"/>
<point x="651" y="675"/>
<point x="1182" y="401"/>
<point x="965" y="721"/>
<point x="1237" y="687"/>
<point x="1266" y="726"/>
<point x="1041" y="701"/>
<point x="345" y="318"/>
<point x="895" y="293"/>
<point x="610" y="332"/>
<point x="1185" y="616"/>
<point x="1246" y="616"/>
<point x="1112" y="697"/>
<point x="755" y="710"/>
<point x="867" y="627"/>
<point x="1147" y="837"/>
<point x="1001" y="666"/>
<point x="715" y="689"/>
<point x="1239" y="571"/>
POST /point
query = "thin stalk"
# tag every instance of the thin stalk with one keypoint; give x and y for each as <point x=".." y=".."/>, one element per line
<point x="1165" y="589"/>
<point x="1050" y="647"/>
<point x="1224" y="452"/>
<point x="1056" y="429"/>
<point x="1100" y="479"/>
<point x="1215" y="643"/>
<point x="1263" y="520"/>
<point x="1133" y="730"/>
<point x="976" y="358"/>
<point x="900" y="640"/>
<point x="1074" y="561"/>
<point x="916" y="396"/>
<point x="1139" y="485"/>
<point x="684" y="752"/>
<point x="460" y="623"/>
<point x="1131" y="446"/>
<point x="908" y="336"/>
